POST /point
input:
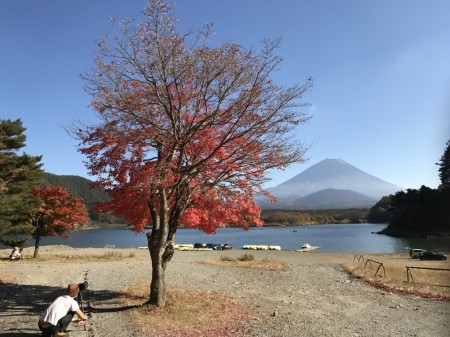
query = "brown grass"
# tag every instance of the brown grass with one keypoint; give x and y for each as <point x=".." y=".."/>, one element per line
<point x="186" y="312"/>
<point x="433" y="284"/>
<point x="245" y="262"/>
<point x="107" y="256"/>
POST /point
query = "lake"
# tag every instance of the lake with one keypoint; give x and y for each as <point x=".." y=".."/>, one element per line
<point x="332" y="238"/>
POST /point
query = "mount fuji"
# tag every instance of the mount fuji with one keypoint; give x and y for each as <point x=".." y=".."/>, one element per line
<point x="331" y="183"/>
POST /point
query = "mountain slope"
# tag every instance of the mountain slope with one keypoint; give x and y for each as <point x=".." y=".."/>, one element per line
<point x="337" y="174"/>
<point x="333" y="174"/>
<point x="332" y="198"/>
<point x="79" y="187"/>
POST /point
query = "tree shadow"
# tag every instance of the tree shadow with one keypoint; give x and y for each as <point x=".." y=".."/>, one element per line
<point x="107" y="301"/>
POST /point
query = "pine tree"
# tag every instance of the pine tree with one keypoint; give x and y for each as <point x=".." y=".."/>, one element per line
<point x="444" y="167"/>
<point x="19" y="174"/>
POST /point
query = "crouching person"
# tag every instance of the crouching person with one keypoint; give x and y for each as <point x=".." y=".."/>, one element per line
<point x="57" y="317"/>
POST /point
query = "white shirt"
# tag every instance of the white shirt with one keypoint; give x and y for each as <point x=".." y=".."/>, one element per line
<point x="58" y="309"/>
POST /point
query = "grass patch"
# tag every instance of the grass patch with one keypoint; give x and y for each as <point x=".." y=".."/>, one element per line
<point x="188" y="313"/>
<point x="433" y="284"/>
<point x="248" y="261"/>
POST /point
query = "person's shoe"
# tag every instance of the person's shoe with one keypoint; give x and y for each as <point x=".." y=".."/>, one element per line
<point x="61" y="334"/>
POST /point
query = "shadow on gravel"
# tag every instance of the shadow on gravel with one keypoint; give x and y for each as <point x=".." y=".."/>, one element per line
<point x="107" y="301"/>
<point x="21" y="305"/>
<point x="21" y="300"/>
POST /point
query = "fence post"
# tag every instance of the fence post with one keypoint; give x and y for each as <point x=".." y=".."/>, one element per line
<point x="379" y="266"/>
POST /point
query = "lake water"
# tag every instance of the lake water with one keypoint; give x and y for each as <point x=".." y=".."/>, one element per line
<point x="348" y="238"/>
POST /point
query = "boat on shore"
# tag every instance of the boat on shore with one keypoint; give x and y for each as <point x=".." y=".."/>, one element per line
<point x="202" y="246"/>
<point x="307" y="248"/>
<point x="261" y="247"/>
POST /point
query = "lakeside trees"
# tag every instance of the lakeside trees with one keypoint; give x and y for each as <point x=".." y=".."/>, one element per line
<point x="424" y="211"/>
<point x="187" y="131"/>
<point x="381" y="211"/>
<point x="308" y="217"/>
<point x="19" y="174"/>
<point x="420" y="212"/>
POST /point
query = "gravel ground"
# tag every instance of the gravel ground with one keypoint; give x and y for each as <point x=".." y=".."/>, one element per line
<point x="314" y="297"/>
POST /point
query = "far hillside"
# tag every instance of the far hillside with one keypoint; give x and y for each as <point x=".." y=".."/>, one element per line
<point x="311" y="217"/>
<point x="81" y="187"/>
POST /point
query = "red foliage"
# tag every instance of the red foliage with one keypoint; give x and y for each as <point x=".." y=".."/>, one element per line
<point x="212" y="183"/>
<point x="58" y="212"/>
<point x="186" y="127"/>
<point x="186" y="131"/>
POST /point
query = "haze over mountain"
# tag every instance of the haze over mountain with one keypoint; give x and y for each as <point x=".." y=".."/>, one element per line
<point x="340" y="184"/>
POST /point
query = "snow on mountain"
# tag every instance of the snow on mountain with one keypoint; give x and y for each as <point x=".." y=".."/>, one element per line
<point x="334" y="174"/>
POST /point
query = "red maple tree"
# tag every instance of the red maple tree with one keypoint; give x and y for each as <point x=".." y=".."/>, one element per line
<point x="187" y="132"/>
<point x="58" y="212"/>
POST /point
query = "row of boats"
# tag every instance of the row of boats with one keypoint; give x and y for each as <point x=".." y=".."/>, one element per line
<point x="306" y="247"/>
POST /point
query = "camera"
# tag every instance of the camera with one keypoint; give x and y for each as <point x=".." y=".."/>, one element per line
<point x="83" y="286"/>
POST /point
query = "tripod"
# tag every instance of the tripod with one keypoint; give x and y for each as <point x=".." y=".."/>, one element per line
<point x="83" y="287"/>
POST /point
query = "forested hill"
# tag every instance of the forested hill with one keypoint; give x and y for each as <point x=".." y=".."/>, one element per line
<point x="80" y="187"/>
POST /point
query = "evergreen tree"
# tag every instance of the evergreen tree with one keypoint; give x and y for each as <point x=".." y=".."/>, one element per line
<point x="381" y="212"/>
<point x="19" y="174"/>
<point x="444" y="167"/>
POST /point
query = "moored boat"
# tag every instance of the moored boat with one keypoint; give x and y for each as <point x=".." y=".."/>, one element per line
<point x="307" y="248"/>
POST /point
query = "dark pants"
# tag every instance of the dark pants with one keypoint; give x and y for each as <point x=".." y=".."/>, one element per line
<point x="62" y="325"/>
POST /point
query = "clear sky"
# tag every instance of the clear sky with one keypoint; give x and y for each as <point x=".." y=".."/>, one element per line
<point x="381" y="98"/>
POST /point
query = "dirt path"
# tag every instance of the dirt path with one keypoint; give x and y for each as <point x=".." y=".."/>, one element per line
<point x="314" y="297"/>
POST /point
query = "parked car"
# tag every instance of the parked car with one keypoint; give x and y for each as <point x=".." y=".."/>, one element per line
<point x="213" y="246"/>
<point x="227" y="246"/>
<point x="414" y="253"/>
<point x="219" y="246"/>
<point x="428" y="255"/>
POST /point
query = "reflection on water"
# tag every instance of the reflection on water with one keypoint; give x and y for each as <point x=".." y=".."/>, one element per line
<point x="348" y="238"/>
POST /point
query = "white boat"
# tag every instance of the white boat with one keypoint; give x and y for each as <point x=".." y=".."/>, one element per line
<point x="307" y="248"/>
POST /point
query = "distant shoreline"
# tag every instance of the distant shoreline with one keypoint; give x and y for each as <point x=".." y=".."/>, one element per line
<point x="391" y="234"/>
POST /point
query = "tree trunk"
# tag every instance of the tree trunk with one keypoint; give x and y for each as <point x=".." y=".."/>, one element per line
<point x="160" y="243"/>
<point x="160" y="257"/>
<point x="36" y="246"/>
<point x="158" y="283"/>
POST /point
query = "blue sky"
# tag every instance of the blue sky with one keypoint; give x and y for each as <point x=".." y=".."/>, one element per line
<point x="381" y="99"/>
